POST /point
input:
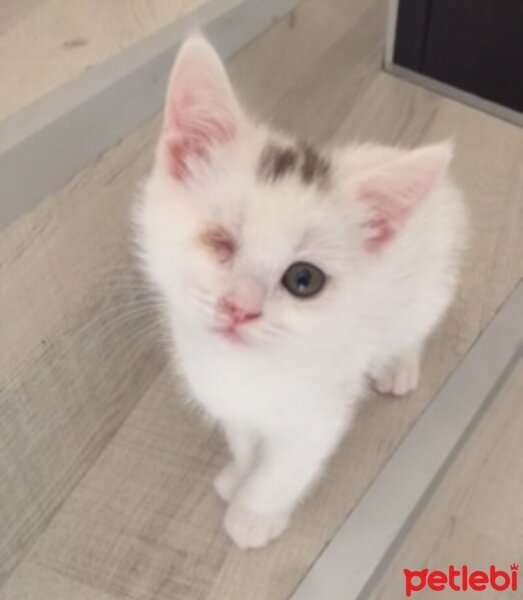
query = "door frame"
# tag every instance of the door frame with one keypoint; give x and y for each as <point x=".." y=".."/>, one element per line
<point x="390" y="66"/>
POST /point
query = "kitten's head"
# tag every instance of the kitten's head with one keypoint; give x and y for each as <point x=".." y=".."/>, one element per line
<point x="258" y="238"/>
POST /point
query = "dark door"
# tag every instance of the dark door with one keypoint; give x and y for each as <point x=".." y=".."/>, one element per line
<point x="474" y="45"/>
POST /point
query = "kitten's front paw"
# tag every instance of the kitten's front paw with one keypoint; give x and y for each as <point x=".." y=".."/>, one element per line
<point x="228" y="480"/>
<point x="397" y="379"/>
<point x="252" y="530"/>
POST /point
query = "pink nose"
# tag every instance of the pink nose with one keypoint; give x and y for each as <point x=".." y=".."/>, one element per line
<point x="236" y="313"/>
<point x="243" y="302"/>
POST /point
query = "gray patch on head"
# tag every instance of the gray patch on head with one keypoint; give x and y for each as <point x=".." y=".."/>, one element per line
<point x="315" y="167"/>
<point x="279" y="160"/>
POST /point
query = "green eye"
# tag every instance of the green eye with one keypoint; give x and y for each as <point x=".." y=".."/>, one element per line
<point x="303" y="280"/>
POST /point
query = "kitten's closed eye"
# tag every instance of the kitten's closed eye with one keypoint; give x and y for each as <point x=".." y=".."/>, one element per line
<point x="303" y="280"/>
<point x="219" y="241"/>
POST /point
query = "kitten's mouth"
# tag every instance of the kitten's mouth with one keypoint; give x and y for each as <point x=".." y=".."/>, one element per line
<point x="231" y="334"/>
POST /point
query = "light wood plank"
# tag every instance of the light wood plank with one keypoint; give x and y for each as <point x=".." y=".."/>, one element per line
<point x="142" y="523"/>
<point x="279" y="59"/>
<point x="76" y="351"/>
<point x="36" y="583"/>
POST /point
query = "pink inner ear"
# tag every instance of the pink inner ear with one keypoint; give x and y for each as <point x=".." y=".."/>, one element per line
<point x="194" y="141"/>
<point x="393" y="191"/>
<point x="389" y="209"/>
<point x="380" y="232"/>
<point x="201" y="111"/>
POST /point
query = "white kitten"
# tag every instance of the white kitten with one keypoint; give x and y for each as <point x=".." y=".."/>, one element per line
<point x="289" y="274"/>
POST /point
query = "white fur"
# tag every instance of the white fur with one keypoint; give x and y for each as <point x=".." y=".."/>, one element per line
<point x="286" y="396"/>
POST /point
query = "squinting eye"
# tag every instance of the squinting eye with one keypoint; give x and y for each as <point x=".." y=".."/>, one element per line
<point x="303" y="280"/>
<point x="219" y="241"/>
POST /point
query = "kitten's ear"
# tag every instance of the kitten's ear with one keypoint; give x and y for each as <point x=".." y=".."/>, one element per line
<point x="201" y="110"/>
<point x="392" y="190"/>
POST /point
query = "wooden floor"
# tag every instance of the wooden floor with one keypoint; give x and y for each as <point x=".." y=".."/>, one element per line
<point x="110" y="494"/>
<point x="45" y="43"/>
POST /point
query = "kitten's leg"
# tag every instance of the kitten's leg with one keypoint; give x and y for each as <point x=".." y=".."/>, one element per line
<point x="242" y="445"/>
<point x="287" y="468"/>
<point x="401" y="375"/>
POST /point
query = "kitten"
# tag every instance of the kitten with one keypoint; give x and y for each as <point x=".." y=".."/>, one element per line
<point x="289" y="275"/>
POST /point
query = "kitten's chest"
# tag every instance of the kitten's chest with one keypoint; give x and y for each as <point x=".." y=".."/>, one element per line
<point x="248" y="387"/>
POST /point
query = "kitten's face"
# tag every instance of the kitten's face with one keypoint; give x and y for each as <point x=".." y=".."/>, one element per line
<point x="258" y="239"/>
<point x="254" y="256"/>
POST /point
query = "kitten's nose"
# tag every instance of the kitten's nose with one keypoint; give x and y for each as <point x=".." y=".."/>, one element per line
<point x="235" y="313"/>
<point x="244" y="302"/>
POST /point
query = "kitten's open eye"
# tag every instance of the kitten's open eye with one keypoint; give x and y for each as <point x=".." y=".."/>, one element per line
<point x="303" y="280"/>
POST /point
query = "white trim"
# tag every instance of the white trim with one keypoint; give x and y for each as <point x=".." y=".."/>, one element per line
<point x="392" y="20"/>
<point x="356" y="556"/>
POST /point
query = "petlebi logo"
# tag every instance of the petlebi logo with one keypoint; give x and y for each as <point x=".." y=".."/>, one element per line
<point x="462" y="579"/>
